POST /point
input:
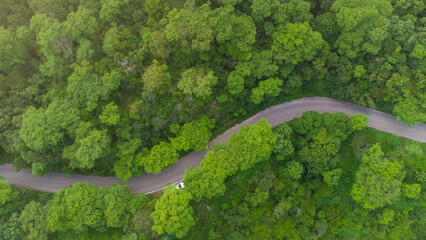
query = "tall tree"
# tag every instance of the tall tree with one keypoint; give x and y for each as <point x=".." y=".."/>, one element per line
<point x="194" y="135"/>
<point x="378" y="180"/>
<point x="364" y="25"/>
<point x="197" y="82"/>
<point x="321" y="154"/>
<point x="296" y="42"/>
<point x="173" y="214"/>
<point x="156" y="78"/>
<point x="77" y="208"/>
<point x="159" y="157"/>
<point x="33" y="221"/>
<point x="117" y="203"/>
<point x="251" y="145"/>
<point x="202" y="184"/>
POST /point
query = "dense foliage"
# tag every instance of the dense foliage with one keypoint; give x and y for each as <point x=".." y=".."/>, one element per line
<point x="125" y="87"/>
<point x="100" y="87"/>
<point x="367" y="185"/>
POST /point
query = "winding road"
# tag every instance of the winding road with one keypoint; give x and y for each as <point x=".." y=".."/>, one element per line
<point x="150" y="183"/>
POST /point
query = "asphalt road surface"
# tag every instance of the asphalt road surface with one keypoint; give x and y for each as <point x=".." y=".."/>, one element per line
<point x="150" y="183"/>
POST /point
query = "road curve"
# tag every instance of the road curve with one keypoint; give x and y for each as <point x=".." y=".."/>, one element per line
<point x="150" y="183"/>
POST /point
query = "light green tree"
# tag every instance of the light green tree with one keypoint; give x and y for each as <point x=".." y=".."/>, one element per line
<point x="202" y="184"/>
<point x="117" y="203"/>
<point x="251" y="145"/>
<point x="77" y="208"/>
<point x="295" y="43"/>
<point x="156" y="78"/>
<point x="235" y="83"/>
<point x="159" y="157"/>
<point x="270" y="87"/>
<point x="364" y="25"/>
<point x="194" y="135"/>
<point x="411" y="190"/>
<point x="33" y="221"/>
<point x="331" y="178"/>
<point x="386" y="216"/>
<point x="90" y="144"/>
<point x="110" y="114"/>
<point x="378" y="180"/>
<point x="6" y="192"/>
<point x="172" y="213"/>
<point x="197" y="82"/>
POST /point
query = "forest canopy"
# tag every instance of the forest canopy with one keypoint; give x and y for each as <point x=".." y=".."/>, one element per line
<point x="123" y="88"/>
<point x="103" y="87"/>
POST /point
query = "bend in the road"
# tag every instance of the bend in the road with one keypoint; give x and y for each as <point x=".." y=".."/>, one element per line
<point x="150" y="183"/>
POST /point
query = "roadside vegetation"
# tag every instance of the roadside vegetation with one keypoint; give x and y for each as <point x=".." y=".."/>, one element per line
<point x="320" y="176"/>
<point x="126" y="87"/>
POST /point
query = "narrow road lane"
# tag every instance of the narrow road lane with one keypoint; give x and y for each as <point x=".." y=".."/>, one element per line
<point x="150" y="183"/>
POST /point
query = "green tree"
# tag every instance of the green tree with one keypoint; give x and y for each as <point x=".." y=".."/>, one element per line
<point x="127" y="162"/>
<point x="89" y="146"/>
<point x="158" y="45"/>
<point x="410" y="110"/>
<point x="378" y="180"/>
<point x="386" y="216"/>
<point x="173" y="214"/>
<point x="11" y="229"/>
<point x="419" y="52"/>
<point x="294" y="170"/>
<point x="197" y="82"/>
<point x="112" y="80"/>
<point x="263" y="64"/>
<point x="81" y="24"/>
<point x="234" y="32"/>
<point x="33" y="221"/>
<point x="262" y="9"/>
<point x="111" y="10"/>
<point x="295" y="11"/>
<point x="142" y="222"/>
<point x="55" y="9"/>
<point x="358" y="122"/>
<point x="295" y="43"/>
<point x="44" y="128"/>
<point x="283" y="146"/>
<point x="6" y="192"/>
<point x="251" y="145"/>
<point x="270" y="87"/>
<point x="110" y="114"/>
<point x="159" y="157"/>
<point x="364" y="25"/>
<point x="235" y="83"/>
<point x="331" y="178"/>
<point x="308" y="124"/>
<point x="39" y="168"/>
<point x="77" y="208"/>
<point x="156" y="78"/>
<point x="117" y="202"/>
<point x="194" y="135"/>
<point x="202" y="184"/>
<point x="12" y="51"/>
<point x="85" y="89"/>
<point x="156" y="9"/>
<point x="411" y="190"/>
<point x="54" y="45"/>
<point x="189" y="33"/>
<point x="321" y="154"/>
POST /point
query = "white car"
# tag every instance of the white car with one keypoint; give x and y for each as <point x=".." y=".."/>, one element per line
<point x="180" y="185"/>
